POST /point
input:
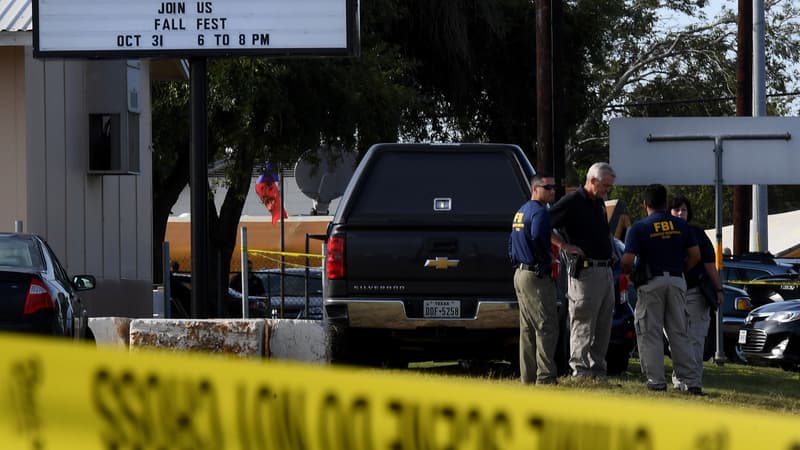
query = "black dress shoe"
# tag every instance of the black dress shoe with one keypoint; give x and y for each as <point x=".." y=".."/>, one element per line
<point x="657" y="387"/>
<point x="695" y="391"/>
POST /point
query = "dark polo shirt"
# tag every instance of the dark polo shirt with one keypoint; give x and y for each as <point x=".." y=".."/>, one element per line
<point x="584" y="223"/>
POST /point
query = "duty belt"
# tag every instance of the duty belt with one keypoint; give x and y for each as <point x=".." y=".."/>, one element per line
<point x="668" y="273"/>
<point x="540" y="272"/>
<point x="596" y="263"/>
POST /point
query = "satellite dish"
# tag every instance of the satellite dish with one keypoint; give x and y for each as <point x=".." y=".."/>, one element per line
<point x="322" y="175"/>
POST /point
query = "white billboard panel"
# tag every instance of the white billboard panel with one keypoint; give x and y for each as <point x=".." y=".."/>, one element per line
<point x="141" y="28"/>
<point x="747" y="157"/>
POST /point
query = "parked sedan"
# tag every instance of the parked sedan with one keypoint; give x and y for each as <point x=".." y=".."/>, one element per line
<point x="774" y="288"/>
<point x="771" y="335"/>
<point x="36" y="295"/>
<point x="297" y="282"/>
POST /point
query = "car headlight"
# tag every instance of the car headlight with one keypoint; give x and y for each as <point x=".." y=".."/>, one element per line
<point x="784" y="316"/>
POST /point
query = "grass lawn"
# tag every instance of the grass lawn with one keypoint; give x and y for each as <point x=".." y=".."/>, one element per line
<point x="736" y="385"/>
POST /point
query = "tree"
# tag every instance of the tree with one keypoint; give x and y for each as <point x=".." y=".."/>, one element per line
<point x="643" y="69"/>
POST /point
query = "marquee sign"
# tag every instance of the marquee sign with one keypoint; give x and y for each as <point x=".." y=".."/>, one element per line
<point x="145" y="28"/>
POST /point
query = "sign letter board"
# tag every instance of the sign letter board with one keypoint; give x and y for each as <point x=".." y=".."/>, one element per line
<point x="151" y="28"/>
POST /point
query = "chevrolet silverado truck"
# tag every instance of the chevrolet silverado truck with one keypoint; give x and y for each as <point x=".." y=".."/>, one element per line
<point x="416" y="256"/>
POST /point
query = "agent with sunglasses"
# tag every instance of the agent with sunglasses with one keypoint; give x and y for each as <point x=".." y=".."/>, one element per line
<point x="530" y="253"/>
<point x="584" y="234"/>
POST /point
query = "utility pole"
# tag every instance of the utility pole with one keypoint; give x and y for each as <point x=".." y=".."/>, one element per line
<point x="760" y="241"/>
<point x="744" y="106"/>
<point x="559" y="106"/>
<point x="544" y="87"/>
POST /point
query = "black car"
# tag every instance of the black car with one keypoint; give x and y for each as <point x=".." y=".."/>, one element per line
<point x="623" y="331"/>
<point x="750" y="266"/>
<point x="774" y="288"/>
<point x="771" y="335"/>
<point x="300" y="286"/>
<point x="296" y="284"/>
<point x="36" y="295"/>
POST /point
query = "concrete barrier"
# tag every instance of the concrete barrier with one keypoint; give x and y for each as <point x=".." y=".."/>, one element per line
<point x="241" y="337"/>
<point x="114" y="331"/>
<point x="299" y="340"/>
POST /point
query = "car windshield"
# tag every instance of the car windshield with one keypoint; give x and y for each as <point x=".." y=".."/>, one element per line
<point x="19" y="251"/>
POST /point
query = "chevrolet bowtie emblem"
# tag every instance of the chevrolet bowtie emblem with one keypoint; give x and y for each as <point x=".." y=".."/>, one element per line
<point x="441" y="262"/>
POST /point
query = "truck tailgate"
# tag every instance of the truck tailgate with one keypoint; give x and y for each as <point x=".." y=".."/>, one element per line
<point x="450" y="261"/>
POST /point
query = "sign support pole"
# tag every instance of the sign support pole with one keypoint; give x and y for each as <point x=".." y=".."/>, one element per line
<point x="198" y="180"/>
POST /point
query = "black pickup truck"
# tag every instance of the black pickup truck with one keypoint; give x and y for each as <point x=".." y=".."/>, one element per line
<point x="416" y="264"/>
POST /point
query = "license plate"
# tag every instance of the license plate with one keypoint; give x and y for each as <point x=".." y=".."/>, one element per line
<point x="441" y="309"/>
<point x="742" y="336"/>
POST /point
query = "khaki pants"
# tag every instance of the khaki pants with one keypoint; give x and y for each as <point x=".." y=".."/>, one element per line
<point x="661" y="307"/>
<point x="538" y="327"/>
<point x="698" y="315"/>
<point x="591" y="311"/>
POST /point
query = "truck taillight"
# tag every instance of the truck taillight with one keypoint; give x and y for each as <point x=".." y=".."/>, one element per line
<point x="623" y="288"/>
<point x="555" y="265"/>
<point x="334" y="261"/>
<point x="38" y="298"/>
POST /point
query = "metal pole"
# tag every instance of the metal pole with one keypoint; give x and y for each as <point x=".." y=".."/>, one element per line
<point x="742" y="194"/>
<point x="719" y="354"/>
<point x="199" y="185"/>
<point x="760" y="241"/>
<point x="17" y="226"/>
<point x="544" y="87"/>
<point x="283" y="244"/>
<point x="305" y="314"/>
<point x="166" y="269"/>
<point x="245" y="274"/>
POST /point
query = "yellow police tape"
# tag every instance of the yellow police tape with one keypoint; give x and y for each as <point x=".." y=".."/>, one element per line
<point x="275" y="252"/>
<point x="63" y="395"/>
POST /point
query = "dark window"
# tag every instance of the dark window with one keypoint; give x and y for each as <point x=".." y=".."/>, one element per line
<point x="477" y="185"/>
<point x="114" y="143"/>
<point x="104" y="142"/>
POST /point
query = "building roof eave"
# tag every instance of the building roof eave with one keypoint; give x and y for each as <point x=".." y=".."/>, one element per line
<point x="16" y="38"/>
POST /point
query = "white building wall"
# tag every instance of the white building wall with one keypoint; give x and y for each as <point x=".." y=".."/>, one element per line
<point x="13" y="201"/>
<point x="100" y="225"/>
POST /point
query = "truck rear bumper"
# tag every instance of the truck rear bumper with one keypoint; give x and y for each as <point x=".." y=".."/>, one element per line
<point x="391" y="314"/>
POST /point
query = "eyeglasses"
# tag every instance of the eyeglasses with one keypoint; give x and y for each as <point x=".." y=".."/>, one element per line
<point x="549" y="187"/>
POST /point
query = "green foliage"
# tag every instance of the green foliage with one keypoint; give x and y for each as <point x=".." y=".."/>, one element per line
<point x="702" y="198"/>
